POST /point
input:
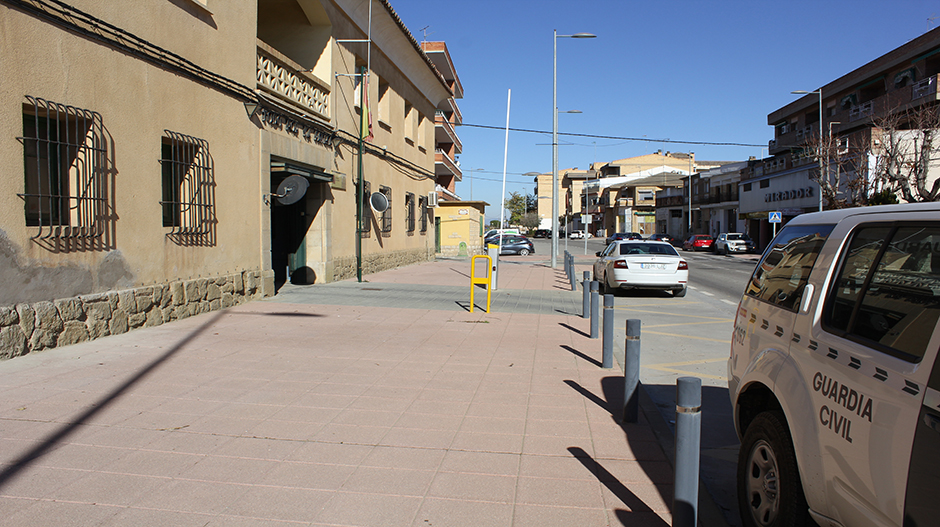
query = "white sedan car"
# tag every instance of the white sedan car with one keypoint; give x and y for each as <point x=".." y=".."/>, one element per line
<point x="641" y="264"/>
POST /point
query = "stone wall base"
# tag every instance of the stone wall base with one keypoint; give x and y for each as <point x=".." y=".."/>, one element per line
<point x="25" y="328"/>
<point x="344" y="268"/>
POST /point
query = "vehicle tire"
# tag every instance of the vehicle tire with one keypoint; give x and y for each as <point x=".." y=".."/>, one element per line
<point x="770" y="493"/>
<point x="523" y="252"/>
<point x="679" y="293"/>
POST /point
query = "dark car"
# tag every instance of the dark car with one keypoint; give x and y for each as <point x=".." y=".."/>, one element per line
<point x="542" y="233"/>
<point x="668" y="238"/>
<point x="515" y="244"/>
<point x="618" y="236"/>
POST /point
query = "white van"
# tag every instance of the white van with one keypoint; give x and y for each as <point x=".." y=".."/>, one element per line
<point x="833" y="375"/>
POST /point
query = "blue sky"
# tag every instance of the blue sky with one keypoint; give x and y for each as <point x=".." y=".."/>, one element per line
<point x="699" y="71"/>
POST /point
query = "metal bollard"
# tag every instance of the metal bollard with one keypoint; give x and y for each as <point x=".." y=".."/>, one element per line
<point x="567" y="261"/>
<point x="573" y="276"/>
<point x="688" y="449"/>
<point x="595" y="311"/>
<point x="586" y="303"/>
<point x="608" y="343"/>
<point x="631" y="372"/>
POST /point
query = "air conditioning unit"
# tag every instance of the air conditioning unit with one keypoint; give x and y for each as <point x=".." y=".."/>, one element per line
<point x="432" y="198"/>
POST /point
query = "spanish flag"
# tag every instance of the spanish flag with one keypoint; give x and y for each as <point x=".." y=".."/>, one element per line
<point x="365" y="124"/>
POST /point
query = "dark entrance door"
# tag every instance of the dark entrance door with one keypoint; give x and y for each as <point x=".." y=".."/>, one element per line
<point x="289" y="226"/>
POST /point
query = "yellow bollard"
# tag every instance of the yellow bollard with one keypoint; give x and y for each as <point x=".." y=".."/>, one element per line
<point x="474" y="280"/>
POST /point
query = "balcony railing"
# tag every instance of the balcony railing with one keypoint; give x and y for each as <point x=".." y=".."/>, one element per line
<point x="444" y="165"/>
<point x="924" y="87"/>
<point x="285" y="79"/>
<point x="445" y="132"/>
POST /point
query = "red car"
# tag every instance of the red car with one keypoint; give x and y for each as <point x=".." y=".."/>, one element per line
<point x="698" y="242"/>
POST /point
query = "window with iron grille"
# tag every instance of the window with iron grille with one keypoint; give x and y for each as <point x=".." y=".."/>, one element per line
<point x="188" y="185"/>
<point x="410" y="213"/>
<point x="65" y="160"/>
<point x="366" y="210"/>
<point x="423" y="208"/>
<point x="387" y="214"/>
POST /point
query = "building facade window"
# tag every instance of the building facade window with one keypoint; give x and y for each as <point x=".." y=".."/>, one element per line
<point x="387" y="214"/>
<point x="188" y="185"/>
<point x="65" y="186"/>
<point x="423" y="209"/>
<point x="410" y="213"/>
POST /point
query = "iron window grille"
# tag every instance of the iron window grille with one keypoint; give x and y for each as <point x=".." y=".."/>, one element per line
<point x="367" y="216"/>
<point x="423" y="207"/>
<point x="387" y="214"/>
<point x="410" y="212"/>
<point x="65" y="162"/>
<point x="188" y="186"/>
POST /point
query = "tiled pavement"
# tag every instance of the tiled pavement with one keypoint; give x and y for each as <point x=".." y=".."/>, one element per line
<point x="399" y="409"/>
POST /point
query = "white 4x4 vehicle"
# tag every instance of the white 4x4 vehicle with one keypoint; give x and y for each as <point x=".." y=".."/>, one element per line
<point x="833" y="376"/>
<point x="733" y="242"/>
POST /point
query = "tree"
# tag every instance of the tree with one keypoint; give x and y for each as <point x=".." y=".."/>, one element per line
<point x="530" y="220"/>
<point x="518" y="205"/>
<point x="905" y="147"/>
<point x="843" y="181"/>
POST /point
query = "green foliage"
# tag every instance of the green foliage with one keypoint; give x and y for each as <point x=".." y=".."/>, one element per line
<point x="885" y="197"/>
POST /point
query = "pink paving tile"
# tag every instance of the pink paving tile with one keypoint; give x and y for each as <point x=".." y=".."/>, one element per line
<point x="473" y="487"/>
<point x="229" y="469"/>
<point x="159" y="518"/>
<point x="335" y="453"/>
<point x="455" y="512"/>
<point x="257" y="448"/>
<point x="552" y="445"/>
<point x="154" y="463"/>
<point x="480" y="463"/>
<point x="498" y="410"/>
<point x="61" y="514"/>
<point x="203" y="497"/>
<point x="317" y="476"/>
<point x="407" y="458"/>
<point x="429" y="421"/>
<point x="108" y="489"/>
<point x="355" y="434"/>
<point x="398" y="481"/>
<point x="373" y="510"/>
<point x="82" y="457"/>
<point x="541" y="515"/>
<point x="492" y="425"/>
<point x="418" y="438"/>
<point x="481" y="442"/>
<point x="38" y="482"/>
<point x="280" y="503"/>
<point x="560" y="492"/>
<point x="182" y="441"/>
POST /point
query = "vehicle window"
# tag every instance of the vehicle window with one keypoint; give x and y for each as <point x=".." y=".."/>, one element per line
<point x="887" y="291"/>
<point x="735" y="237"/>
<point x="647" y="248"/>
<point x="609" y="249"/>
<point x="781" y="275"/>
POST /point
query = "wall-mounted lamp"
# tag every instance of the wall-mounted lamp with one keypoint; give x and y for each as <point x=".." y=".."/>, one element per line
<point x="252" y="108"/>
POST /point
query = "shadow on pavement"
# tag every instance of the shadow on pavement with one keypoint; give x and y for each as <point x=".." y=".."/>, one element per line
<point x="612" y="402"/>
<point x="592" y="360"/>
<point x="576" y="330"/>
<point x="53" y="439"/>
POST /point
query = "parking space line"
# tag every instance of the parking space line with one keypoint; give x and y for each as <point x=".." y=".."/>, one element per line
<point x="722" y="321"/>
<point x="690" y="337"/>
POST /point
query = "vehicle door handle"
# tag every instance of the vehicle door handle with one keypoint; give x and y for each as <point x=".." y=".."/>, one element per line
<point x="807" y="298"/>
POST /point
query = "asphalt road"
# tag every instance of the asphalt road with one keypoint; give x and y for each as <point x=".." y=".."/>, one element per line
<point x="688" y="336"/>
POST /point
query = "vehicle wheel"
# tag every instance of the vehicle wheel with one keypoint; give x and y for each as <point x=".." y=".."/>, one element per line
<point x="679" y="293"/>
<point x="769" y="489"/>
<point x="524" y="252"/>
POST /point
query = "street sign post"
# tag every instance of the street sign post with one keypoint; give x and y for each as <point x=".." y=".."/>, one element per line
<point x="774" y="218"/>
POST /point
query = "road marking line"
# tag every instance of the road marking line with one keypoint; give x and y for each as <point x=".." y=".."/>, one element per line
<point x="692" y="373"/>
<point x="729" y="302"/>
<point x="687" y="362"/>
<point x="707" y="293"/>
<point x="686" y="324"/>
<point x="689" y="337"/>
<point x="679" y="315"/>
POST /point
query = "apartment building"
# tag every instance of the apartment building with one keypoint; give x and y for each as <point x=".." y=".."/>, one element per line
<point x="185" y="156"/>
<point x="845" y="117"/>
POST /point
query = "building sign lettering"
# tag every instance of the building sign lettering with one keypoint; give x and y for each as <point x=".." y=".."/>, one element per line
<point x="800" y="193"/>
<point x="294" y="127"/>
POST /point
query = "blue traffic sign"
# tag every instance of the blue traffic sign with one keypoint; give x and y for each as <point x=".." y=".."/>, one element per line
<point x="774" y="217"/>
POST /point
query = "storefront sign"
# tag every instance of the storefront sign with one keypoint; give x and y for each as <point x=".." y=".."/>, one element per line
<point x="800" y="193"/>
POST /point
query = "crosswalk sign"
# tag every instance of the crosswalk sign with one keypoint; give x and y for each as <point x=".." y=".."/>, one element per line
<point x="774" y="217"/>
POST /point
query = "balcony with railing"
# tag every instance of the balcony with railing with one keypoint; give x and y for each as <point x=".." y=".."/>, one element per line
<point x="444" y="131"/>
<point x="286" y="80"/>
<point x="444" y="165"/>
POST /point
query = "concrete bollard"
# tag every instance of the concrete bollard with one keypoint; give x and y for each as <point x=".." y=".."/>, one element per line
<point x="595" y="310"/>
<point x="631" y="372"/>
<point x="586" y="301"/>
<point x="567" y="261"/>
<point x="608" y="342"/>
<point x="688" y="449"/>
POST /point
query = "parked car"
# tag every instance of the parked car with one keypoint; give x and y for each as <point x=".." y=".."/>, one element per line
<point x="638" y="264"/>
<point x="542" y="233"/>
<point x="668" y="238"/>
<point x="834" y="374"/>
<point x="514" y="244"/>
<point x="733" y="242"/>
<point x="617" y="236"/>
<point x="493" y="232"/>
<point x="579" y="235"/>
<point x="698" y="242"/>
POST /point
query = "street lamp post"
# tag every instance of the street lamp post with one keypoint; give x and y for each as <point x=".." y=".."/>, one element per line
<point x="819" y="157"/>
<point x="555" y="138"/>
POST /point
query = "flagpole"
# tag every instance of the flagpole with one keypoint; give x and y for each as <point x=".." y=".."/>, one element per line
<point x="502" y="201"/>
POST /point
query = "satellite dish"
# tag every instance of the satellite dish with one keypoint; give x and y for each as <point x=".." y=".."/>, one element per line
<point x="291" y="190"/>
<point x="378" y="201"/>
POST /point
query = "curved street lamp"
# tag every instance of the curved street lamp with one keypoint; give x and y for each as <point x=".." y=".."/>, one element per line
<point x="555" y="138"/>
